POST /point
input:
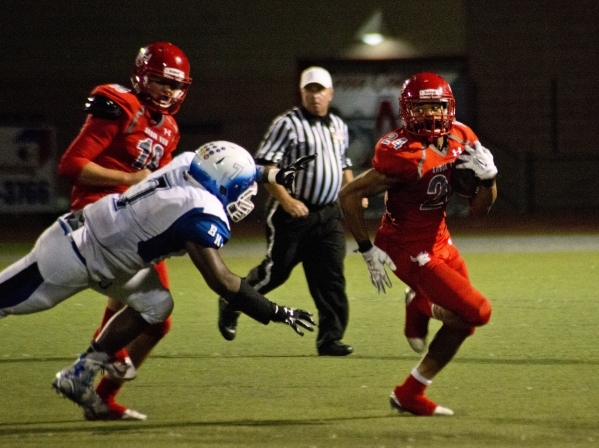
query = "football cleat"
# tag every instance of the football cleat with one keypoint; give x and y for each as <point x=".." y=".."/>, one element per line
<point x="77" y="381"/>
<point x="114" y="411"/>
<point x="227" y="320"/>
<point x="416" y="326"/>
<point x="416" y="404"/>
<point x="121" y="368"/>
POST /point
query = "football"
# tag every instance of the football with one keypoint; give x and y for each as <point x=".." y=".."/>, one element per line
<point x="464" y="182"/>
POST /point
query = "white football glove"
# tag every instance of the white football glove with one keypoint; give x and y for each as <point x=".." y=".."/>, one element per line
<point x="478" y="159"/>
<point x="376" y="259"/>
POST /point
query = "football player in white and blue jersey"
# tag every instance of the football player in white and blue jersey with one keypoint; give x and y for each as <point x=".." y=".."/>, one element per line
<point x="110" y="246"/>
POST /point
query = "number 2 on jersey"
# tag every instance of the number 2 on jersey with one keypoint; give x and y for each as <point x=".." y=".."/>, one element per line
<point x="438" y="187"/>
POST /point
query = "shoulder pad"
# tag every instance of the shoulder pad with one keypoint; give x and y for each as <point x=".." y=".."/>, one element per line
<point x="102" y="107"/>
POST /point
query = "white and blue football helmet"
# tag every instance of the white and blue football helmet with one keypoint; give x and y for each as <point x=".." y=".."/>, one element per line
<point x="227" y="171"/>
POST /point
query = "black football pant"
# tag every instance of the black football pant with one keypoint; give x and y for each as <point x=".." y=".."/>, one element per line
<point x="318" y="242"/>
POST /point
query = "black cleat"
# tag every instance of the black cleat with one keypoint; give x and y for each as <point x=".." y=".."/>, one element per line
<point x="335" y="348"/>
<point x="227" y="320"/>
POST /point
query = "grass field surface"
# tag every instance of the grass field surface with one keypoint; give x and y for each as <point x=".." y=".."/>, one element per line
<point x="527" y="379"/>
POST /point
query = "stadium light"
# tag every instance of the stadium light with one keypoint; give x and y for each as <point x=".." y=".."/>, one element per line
<point x="374" y="41"/>
<point x="372" y="32"/>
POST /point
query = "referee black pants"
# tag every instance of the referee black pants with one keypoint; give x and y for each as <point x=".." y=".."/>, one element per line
<point x="317" y="241"/>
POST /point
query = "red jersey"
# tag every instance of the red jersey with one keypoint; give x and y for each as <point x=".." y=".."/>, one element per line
<point x="416" y="205"/>
<point x="129" y="143"/>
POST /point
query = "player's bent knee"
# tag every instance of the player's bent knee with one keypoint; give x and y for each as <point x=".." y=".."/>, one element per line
<point x="482" y="314"/>
<point x="485" y="313"/>
<point x="160" y="329"/>
<point x="159" y="311"/>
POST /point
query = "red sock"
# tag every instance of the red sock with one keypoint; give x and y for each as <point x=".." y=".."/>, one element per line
<point x="412" y="386"/>
<point x="423" y="305"/>
<point x="410" y="397"/>
<point x="108" y="388"/>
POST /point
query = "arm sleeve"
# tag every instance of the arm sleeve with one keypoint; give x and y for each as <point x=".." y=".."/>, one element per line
<point x="260" y="174"/>
<point x="251" y="302"/>
<point x="93" y="138"/>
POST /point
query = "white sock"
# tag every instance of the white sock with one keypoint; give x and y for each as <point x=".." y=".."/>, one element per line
<point x="416" y="374"/>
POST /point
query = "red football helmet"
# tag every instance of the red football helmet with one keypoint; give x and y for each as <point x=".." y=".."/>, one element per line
<point x="427" y="88"/>
<point x="161" y="61"/>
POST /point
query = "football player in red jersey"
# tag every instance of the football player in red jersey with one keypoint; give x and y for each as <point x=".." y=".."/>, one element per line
<point x="413" y="165"/>
<point x="128" y="134"/>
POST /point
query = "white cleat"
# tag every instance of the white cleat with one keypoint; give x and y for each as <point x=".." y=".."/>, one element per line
<point x="114" y="411"/>
<point x="77" y="381"/>
<point x="132" y="414"/>
<point x="419" y="405"/>
<point x="121" y="369"/>
<point x="440" y="410"/>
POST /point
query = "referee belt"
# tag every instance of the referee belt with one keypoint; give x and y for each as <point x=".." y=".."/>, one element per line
<point x="317" y="208"/>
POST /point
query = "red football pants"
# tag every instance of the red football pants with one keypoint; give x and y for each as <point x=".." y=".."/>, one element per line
<point x="441" y="277"/>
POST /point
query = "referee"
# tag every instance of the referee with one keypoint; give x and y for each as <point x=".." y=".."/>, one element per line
<point x="304" y="226"/>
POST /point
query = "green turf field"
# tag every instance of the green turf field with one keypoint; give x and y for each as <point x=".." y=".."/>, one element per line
<point x="527" y="379"/>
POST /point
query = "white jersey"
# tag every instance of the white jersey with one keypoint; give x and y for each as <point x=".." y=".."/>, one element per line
<point x="151" y="221"/>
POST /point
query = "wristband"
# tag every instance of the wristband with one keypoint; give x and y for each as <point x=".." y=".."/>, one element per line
<point x="364" y="246"/>
<point x="487" y="183"/>
<point x="272" y="175"/>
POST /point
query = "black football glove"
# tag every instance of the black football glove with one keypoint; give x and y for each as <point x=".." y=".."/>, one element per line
<point x="286" y="175"/>
<point x="294" y="318"/>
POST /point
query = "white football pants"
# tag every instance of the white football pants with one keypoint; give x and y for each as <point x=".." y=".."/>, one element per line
<point x="53" y="271"/>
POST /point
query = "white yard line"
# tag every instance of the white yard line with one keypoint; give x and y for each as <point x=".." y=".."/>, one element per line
<point x="466" y="244"/>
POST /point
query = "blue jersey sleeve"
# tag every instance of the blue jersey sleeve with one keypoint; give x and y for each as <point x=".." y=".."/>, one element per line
<point x="203" y="229"/>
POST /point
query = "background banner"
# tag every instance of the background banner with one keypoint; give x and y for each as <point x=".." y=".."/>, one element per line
<point x="27" y="169"/>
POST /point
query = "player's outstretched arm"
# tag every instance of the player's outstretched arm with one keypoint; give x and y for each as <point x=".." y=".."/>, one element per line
<point x="283" y="176"/>
<point x="240" y="295"/>
<point x="296" y="319"/>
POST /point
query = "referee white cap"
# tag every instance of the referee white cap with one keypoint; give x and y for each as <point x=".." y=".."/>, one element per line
<point x="316" y="75"/>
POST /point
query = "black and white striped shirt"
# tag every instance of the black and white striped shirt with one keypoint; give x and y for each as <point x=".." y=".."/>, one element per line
<point x="297" y="133"/>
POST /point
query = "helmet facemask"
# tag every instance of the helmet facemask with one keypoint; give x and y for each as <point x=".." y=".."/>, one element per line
<point x="431" y="89"/>
<point x="164" y="98"/>
<point x="433" y="124"/>
<point x="243" y="206"/>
